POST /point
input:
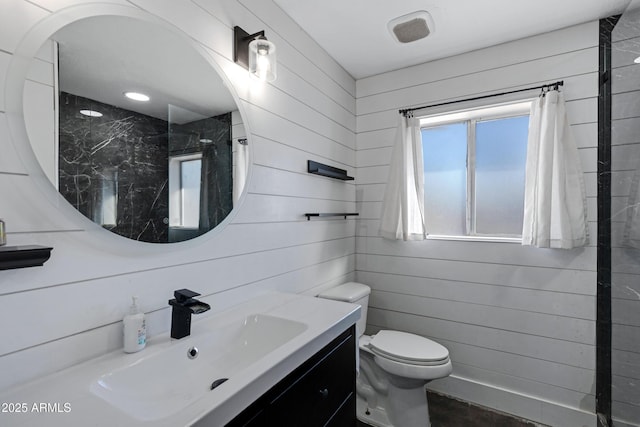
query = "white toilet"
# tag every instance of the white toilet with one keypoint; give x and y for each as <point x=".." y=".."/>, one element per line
<point x="394" y="368"/>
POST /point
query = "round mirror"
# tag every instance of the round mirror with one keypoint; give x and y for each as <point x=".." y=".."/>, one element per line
<point x="144" y="139"/>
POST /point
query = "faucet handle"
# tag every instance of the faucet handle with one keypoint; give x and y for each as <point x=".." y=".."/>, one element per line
<point x="182" y="295"/>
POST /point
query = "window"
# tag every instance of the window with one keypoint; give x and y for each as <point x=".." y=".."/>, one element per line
<point x="474" y="172"/>
<point x="190" y="192"/>
<point x="105" y="210"/>
<point x="184" y="190"/>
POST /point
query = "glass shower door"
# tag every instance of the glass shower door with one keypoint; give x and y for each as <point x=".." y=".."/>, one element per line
<point x="625" y="220"/>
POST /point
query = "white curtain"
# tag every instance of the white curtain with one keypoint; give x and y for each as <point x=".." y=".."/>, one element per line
<point x="555" y="204"/>
<point x="240" y="168"/>
<point x="403" y="204"/>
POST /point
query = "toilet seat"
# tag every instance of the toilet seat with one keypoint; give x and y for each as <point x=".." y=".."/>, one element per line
<point x="408" y="348"/>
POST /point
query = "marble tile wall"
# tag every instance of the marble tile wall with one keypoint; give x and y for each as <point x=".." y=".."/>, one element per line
<point x="122" y="146"/>
<point x="119" y="163"/>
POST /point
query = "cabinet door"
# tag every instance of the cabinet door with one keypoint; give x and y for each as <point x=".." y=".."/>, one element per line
<point x="321" y="392"/>
<point x="258" y="419"/>
<point x="346" y="415"/>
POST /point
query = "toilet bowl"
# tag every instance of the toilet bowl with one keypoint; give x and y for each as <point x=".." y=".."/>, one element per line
<point x="394" y="368"/>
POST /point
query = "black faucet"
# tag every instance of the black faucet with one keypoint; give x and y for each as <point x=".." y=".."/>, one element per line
<point x="183" y="306"/>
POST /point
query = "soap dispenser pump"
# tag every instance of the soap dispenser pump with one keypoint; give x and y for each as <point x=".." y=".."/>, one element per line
<point x="135" y="331"/>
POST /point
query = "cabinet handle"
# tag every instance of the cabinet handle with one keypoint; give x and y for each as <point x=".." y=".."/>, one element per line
<point x="324" y="393"/>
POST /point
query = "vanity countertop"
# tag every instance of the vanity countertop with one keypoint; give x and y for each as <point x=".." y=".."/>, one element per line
<point x="68" y="398"/>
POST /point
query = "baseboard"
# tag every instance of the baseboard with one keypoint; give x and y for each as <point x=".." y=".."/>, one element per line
<point x="522" y="406"/>
<point x="619" y="423"/>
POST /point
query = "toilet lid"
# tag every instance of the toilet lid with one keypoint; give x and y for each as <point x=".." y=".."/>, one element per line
<point x="407" y="347"/>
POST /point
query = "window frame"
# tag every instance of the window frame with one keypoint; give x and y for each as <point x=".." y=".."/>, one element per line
<point x="471" y="116"/>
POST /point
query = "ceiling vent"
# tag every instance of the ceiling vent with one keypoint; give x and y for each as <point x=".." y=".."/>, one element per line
<point x="411" y="27"/>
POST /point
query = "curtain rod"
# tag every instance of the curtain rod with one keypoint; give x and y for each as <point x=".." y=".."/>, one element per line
<point x="555" y="85"/>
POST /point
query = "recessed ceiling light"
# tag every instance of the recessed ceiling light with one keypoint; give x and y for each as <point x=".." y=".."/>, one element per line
<point x="91" y="113"/>
<point x="637" y="60"/>
<point x="136" y="96"/>
<point x="206" y="141"/>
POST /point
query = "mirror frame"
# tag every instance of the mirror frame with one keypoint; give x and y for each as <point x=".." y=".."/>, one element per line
<point x="17" y="73"/>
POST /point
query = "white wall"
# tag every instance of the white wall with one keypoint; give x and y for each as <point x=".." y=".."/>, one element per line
<point x="39" y="116"/>
<point x="71" y="308"/>
<point x="625" y="165"/>
<point x="519" y="322"/>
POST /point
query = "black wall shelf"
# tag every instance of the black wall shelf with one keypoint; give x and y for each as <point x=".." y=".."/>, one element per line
<point x="326" y="170"/>
<point x="23" y="256"/>
<point x="345" y="215"/>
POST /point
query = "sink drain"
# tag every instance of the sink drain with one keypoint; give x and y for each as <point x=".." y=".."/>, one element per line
<point x="192" y="353"/>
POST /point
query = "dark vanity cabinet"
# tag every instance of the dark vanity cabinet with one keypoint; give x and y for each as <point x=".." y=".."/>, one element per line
<point x="320" y="392"/>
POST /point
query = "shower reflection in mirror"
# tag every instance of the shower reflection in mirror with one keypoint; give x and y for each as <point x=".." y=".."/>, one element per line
<point x="145" y="178"/>
<point x="163" y="164"/>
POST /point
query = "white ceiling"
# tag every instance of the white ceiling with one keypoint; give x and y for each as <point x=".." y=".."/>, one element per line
<point x="355" y="34"/>
<point x="102" y="57"/>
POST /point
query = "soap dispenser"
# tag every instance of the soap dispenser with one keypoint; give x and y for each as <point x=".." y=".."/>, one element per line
<point x="135" y="331"/>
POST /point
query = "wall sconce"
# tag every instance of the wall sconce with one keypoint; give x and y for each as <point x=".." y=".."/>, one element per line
<point x="255" y="53"/>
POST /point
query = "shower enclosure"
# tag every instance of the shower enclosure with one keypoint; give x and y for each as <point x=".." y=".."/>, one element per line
<point x="143" y="177"/>
<point x="624" y="227"/>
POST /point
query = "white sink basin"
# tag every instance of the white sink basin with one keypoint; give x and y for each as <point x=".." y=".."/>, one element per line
<point x="161" y="383"/>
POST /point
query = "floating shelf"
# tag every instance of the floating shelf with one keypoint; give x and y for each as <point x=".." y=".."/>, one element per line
<point x="345" y="215"/>
<point x="326" y="170"/>
<point x="23" y="256"/>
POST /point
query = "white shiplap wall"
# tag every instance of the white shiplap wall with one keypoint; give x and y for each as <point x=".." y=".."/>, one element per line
<point x="625" y="165"/>
<point x="519" y="322"/>
<point x="71" y="308"/>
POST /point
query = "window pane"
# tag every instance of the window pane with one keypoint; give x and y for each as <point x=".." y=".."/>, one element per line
<point x="105" y="205"/>
<point x="445" y="178"/>
<point x="190" y="186"/>
<point x="109" y="199"/>
<point x="501" y="151"/>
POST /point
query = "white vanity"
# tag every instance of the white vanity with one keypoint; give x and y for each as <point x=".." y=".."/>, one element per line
<point x="255" y="345"/>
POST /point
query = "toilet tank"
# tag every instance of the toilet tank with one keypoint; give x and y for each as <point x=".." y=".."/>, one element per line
<point x="355" y="293"/>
